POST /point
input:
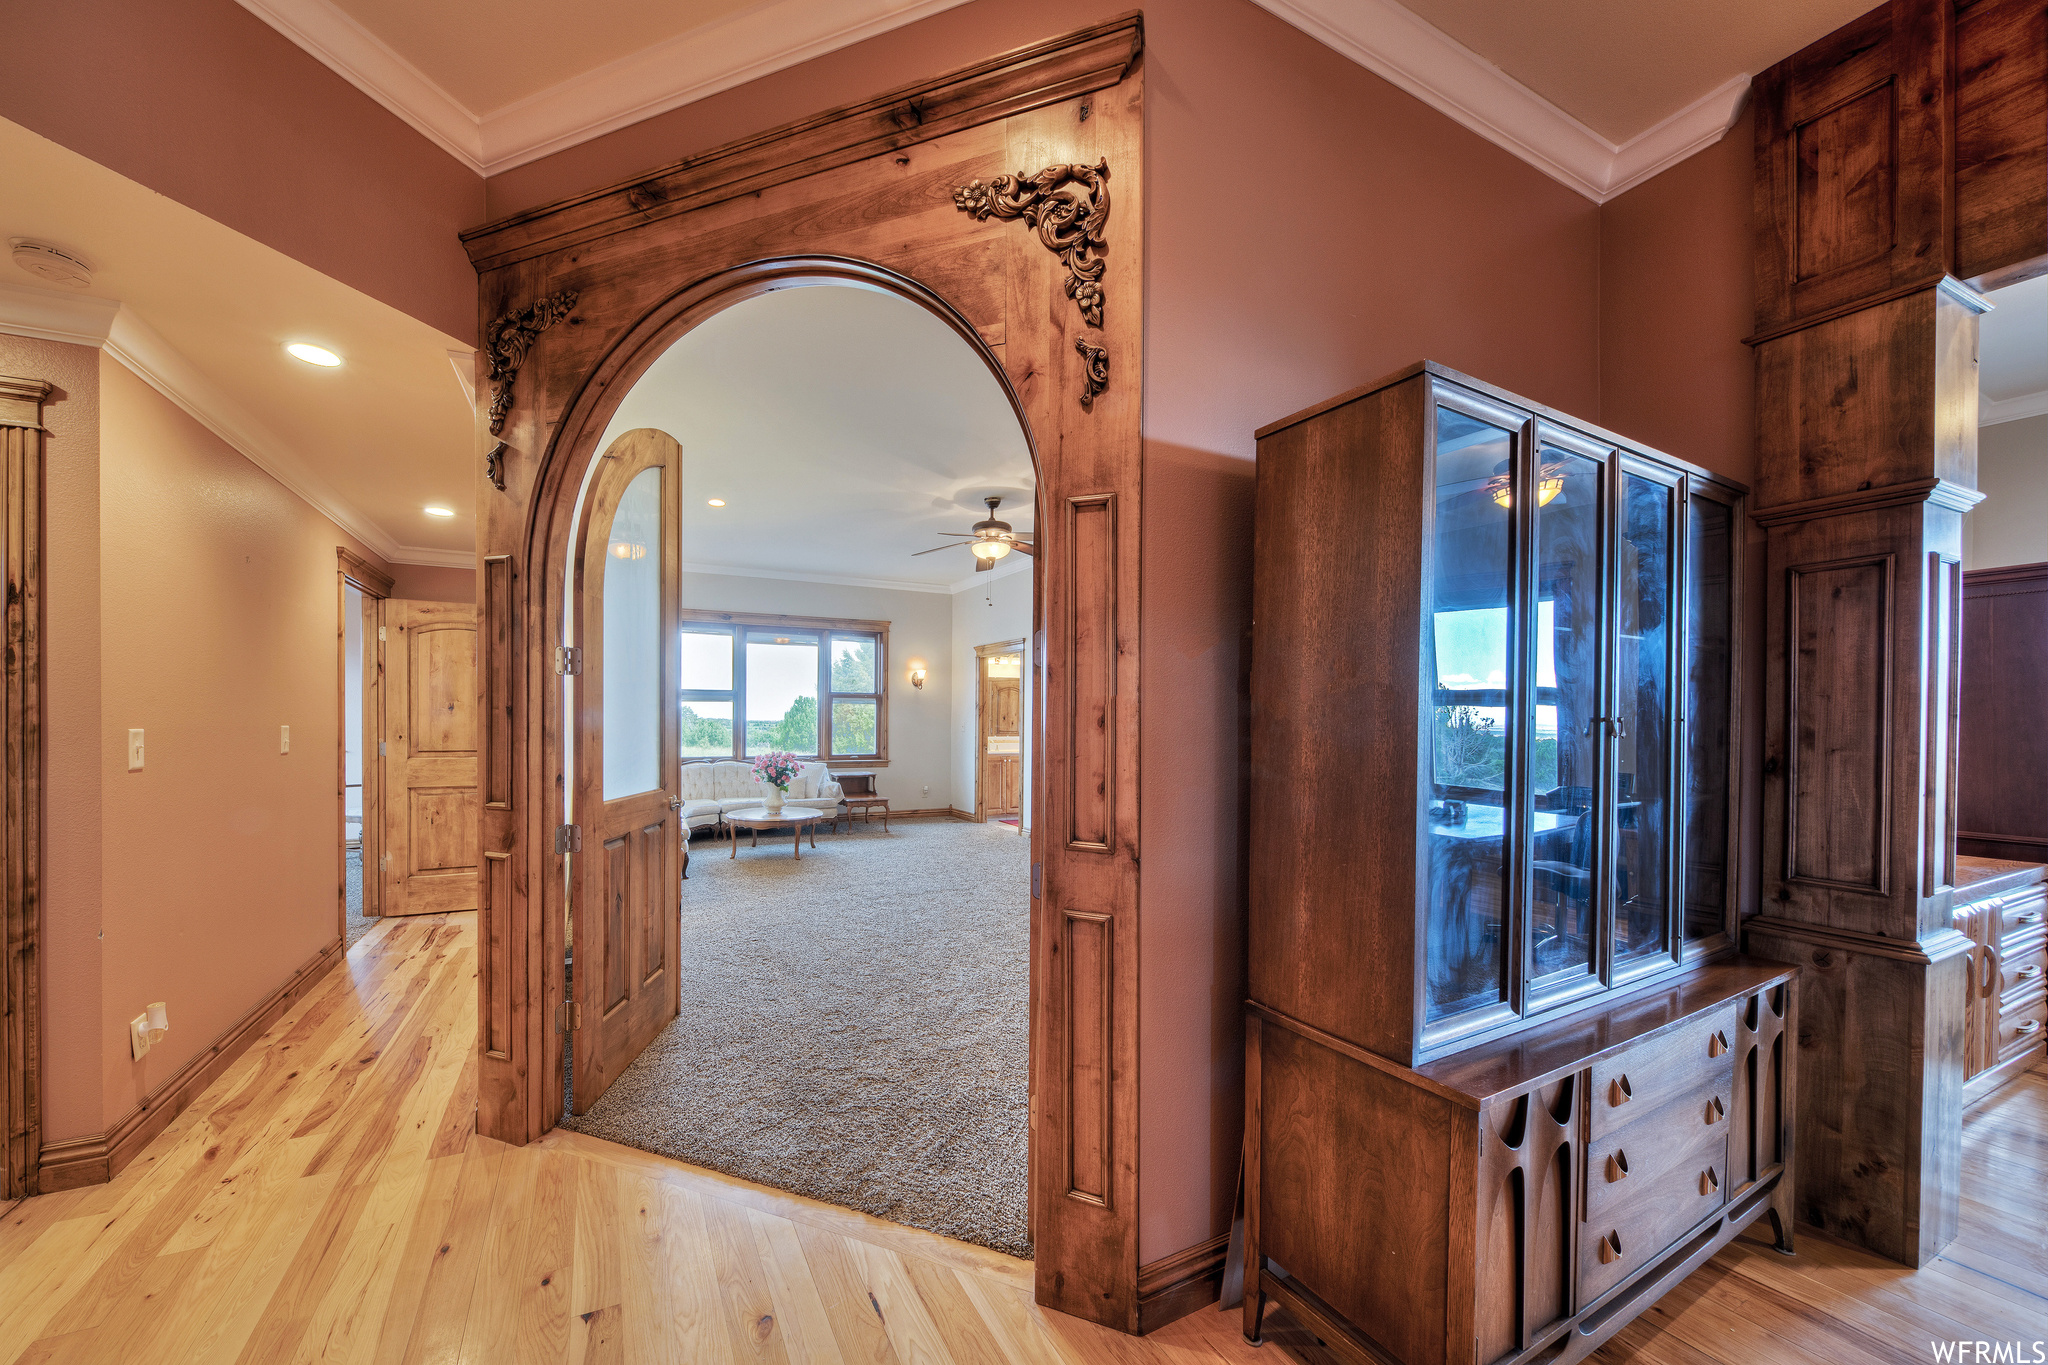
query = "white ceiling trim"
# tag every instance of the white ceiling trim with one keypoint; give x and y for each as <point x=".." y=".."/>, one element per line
<point x="109" y="325"/>
<point x="1379" y="35"/>
<point x="654" y="80"/>
<point x="1992" y="411"/>
<point x="1457" y="82"/>
<point x="365" y="61"/>
<point x="838" y="580"/>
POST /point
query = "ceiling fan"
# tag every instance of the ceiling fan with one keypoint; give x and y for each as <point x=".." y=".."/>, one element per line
<point x="989" y="540"/>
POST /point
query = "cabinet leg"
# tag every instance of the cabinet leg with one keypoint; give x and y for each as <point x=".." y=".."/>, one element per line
<point x="1781" y="1219"/>
<point x="1254" y="1310"/>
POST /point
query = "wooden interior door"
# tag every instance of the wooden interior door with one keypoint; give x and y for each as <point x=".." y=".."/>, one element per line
<point x="429" y="741"/>
<point x="1001" y="744"/>
<point x="627" y="906"/>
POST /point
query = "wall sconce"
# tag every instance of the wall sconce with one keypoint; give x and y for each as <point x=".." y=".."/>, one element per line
<point x="917" y="672"/>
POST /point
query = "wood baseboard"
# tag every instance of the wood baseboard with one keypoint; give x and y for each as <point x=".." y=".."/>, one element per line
<point x="1171" y="1288"/>
<point x="97" y="1158"/>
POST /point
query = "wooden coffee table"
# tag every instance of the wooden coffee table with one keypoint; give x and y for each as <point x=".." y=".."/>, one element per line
<point x="757" y="818"/>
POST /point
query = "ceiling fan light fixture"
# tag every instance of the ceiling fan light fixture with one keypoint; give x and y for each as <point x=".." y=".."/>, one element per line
<point x="989" y="550"/>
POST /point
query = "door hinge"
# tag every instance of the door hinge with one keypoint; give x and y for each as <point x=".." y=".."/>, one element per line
<point x="380" y="632"/>
<point x="383" y="862"/>
<point x="1038" y="881"/>
<point x="380" y="749"/>
<point x="568" y="1016"/>
<point x="568" y="838"/>
<point x="568" y="660"/>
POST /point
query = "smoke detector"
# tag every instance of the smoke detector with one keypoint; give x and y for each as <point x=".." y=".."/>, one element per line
<point x="50" y="263"/>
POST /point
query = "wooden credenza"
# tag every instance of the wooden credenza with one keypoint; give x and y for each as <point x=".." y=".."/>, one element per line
<point x="2002" y="908"/>
<point x="1523" y="1199"/>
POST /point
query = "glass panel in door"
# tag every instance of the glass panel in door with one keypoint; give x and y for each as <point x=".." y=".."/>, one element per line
<point x="1569" y="726"/>
<point x="1642" y="897"/>
<point x="1709" y="678"/>
<point x="1469" y="658"/>
<point x="633" y="700"/>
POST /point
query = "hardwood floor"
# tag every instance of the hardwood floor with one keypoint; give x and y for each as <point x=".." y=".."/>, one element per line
<point x="327" y="1200"/>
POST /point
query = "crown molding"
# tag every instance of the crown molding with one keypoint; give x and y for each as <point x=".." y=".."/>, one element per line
<point x="669" y="74"/>
<point x="837" y="580"/>
<point x="367" y="62"/>
<point x="1457" y="82"/>
<point x="113" y="327"/>
<point x="1992" y="411"/>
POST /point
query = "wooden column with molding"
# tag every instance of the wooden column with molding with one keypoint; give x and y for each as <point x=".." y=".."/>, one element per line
<point x="1869" y="209"/>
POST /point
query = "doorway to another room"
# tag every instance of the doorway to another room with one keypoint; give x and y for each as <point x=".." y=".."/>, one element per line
<point x="840" y="986"/>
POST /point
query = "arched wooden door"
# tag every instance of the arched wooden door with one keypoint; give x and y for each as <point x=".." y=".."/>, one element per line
<point x="627" y="907"/>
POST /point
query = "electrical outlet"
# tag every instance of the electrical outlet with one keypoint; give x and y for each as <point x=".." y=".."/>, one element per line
<point x="284" y="739"/>
<point x="138" y="1035"/>
<point x="135" y="751"/>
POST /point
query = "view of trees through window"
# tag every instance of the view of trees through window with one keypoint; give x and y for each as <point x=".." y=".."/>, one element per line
<point x="769" y="680"/>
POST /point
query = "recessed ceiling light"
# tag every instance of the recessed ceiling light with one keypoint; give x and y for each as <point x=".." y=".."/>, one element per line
<point x="439" y="511"/>
<point x="718" y="502"/>
<point x="313" y="355"/>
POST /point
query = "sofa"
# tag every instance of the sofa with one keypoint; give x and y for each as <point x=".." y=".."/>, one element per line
<point x="709" y="790"/>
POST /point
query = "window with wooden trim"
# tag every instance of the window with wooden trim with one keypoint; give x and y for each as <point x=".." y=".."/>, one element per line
<point x="814" y="686"/>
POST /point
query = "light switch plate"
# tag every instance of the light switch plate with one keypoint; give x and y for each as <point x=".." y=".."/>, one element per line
<point x="284" y="739"/>
<point x="135" y="751"/>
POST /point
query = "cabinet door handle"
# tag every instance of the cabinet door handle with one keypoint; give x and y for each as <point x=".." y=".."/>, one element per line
<point x="1621" y="1092"/>
<point x="1717" y="1044"/>
<point x="1610" y="1248"/>
<point x="1617" y="1165"/>
<point x="1715" y="1110"/>
<point x="1709" y="1182"/>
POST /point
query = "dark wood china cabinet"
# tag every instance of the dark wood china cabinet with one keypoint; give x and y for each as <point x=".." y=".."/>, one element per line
<point x="1507" y="1077"/>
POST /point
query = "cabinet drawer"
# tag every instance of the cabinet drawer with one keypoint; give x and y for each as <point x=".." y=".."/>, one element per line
<point x="1694" y="1062"/>
<point x="2025" y="969"/>
<point x="1632" y="1231"/>
<point x="1637" y="1155"/>
<point x="2021" y="1025"/>
<point x="2023" y="910"/>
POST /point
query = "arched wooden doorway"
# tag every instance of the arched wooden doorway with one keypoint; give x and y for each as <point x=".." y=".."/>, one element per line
<point x="910" y="192"/>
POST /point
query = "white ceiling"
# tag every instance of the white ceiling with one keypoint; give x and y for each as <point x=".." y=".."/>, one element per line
<point x="844" y="428"/>
<point x="1600" y="94"/>
<point x="204" y="313"/>
<point x="2012" y="353"/>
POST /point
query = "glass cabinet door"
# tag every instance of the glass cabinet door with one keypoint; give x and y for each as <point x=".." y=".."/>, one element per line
<point x="1569" y="801"/>
<point x="1709" y="679"/>
<point x="1468" y="676"/>
<point x="1644" y="752"/>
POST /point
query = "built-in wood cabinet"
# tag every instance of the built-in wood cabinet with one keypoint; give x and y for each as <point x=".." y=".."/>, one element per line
<point x="2002" y="908"/>
<point x="1507" y="1079"/>
<point x="2002" y="761"/>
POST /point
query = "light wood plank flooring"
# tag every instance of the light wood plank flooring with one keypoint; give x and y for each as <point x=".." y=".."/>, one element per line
<point x="327" y="1200"/>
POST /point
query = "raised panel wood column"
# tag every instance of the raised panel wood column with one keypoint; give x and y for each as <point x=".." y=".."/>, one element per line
<point x="1897" y="156"/>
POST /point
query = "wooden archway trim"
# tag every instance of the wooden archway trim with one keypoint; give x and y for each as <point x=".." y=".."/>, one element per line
<point x="842" y="197"/>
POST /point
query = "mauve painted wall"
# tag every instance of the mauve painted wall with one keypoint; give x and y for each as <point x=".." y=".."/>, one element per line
<point x="205" y="103"/>
<point x="429" y="583"/>
<point x="1309" y="228"/>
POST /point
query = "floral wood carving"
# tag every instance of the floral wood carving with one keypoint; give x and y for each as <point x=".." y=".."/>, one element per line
<point x="1098" y="370"/>
<point x="509" y="338"/>
<point x="1070" y="225"/>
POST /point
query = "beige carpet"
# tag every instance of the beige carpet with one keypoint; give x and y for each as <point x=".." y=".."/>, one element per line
<point x="853" y="1028"/>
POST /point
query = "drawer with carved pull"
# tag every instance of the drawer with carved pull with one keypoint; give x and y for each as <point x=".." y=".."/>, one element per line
<point x="1694" y="1061"/>
<point x="2022" y="911"/>
<point x="2021" y="1026"/>
<point x="1665" y="1194"/>
<point x="1639" y="1154"/>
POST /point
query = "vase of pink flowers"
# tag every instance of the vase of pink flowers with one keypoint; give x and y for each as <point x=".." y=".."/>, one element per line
<point x="776" y="771"/>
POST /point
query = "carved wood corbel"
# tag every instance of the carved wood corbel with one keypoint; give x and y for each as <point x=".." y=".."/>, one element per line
<point x="1072" y="226"/>
<point x="494" y="464"/>
<point x="509" y="338"/>
<point x="1098" y="370"/>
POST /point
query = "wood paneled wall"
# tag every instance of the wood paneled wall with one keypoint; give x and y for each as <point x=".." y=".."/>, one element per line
<point x="863" y="195"/>
<point x="1899" y="161"/>
<point x="21" y="786"/>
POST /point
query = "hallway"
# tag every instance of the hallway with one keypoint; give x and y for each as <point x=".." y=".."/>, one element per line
<point x="326" y="1200"/>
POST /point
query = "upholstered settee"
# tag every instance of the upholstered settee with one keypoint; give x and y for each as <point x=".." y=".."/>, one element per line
<point x="711" y="789"/>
